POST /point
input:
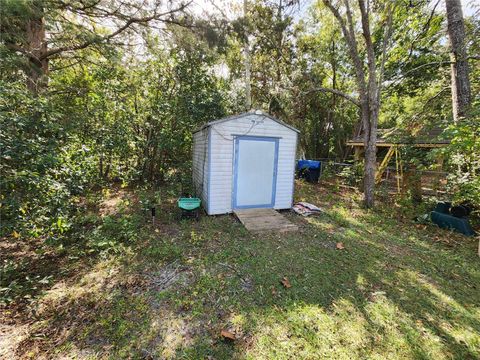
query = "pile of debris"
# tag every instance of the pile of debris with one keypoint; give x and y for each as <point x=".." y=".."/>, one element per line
<point x="306" y="209"/>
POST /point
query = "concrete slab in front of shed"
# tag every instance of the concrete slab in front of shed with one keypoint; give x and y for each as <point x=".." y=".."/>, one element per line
<point x="264" y="220"/>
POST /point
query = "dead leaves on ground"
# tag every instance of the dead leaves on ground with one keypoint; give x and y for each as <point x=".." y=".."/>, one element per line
<point x="340" y="246"/>
<point x="228" y="335"/>
<point x="286" y="284"/>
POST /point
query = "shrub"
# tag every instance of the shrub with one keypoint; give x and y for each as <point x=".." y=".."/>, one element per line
<point x="464" y="159"/>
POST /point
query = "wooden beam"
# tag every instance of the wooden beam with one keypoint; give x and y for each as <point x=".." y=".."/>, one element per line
<point x="425" y="145"/>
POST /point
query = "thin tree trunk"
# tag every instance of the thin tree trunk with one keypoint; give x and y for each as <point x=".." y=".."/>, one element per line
<point x="37" y="46"/>
<point x="331" y="111"/>
<point x="107" y="169"/>
<point x="153" y="162"/>
<point x="461" y="93"/>
<point x="100" y="165"/>
<point x="248" y="96"/>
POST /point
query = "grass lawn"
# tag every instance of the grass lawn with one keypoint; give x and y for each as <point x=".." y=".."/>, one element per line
<point x="125" y="289"/>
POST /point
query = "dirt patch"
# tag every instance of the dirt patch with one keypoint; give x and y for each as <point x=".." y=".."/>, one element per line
<point x="111" y="205"/>
<point x="167" y="229"/>
<point x="398" y="251"/>
<point x="119" y="199"/>
<point x="169" y="275"/>
<point x="332" y="245"/>
<point x="173" y="331"/>
<point x="15" y="249"/>
<point x="10" y="337"/>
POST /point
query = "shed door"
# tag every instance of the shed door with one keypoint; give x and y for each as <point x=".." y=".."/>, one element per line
<point x="255" y="172"/>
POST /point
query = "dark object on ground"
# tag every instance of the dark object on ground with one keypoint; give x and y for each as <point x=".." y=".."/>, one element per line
<point x="446" y="221"/>
<point x="460" y="211"/>
<point x="190" y="207"/>
<point x="443" y="207"/>
<point x="309" y="170"/>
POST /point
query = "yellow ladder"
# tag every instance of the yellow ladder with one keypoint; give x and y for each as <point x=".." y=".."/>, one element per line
<point x="399" y="168"/>
<point x="378" y="176"/>
<point x="398" y="165"/>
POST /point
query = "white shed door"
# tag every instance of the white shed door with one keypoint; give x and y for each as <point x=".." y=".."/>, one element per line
<point x="255" y="172"/>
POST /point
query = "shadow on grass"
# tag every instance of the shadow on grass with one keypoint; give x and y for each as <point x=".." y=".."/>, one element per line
<point x="392" y="292"/>
<point x="415" y="297"/>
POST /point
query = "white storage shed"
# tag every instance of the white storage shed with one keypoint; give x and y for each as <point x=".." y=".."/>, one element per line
<point x="244" y="161"/>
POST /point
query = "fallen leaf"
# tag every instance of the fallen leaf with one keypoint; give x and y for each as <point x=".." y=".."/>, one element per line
<point x="340" y="246"/>
<point x="274" y="292"/>
<point x="286" y="283"/>
<point x="227" y="335"/>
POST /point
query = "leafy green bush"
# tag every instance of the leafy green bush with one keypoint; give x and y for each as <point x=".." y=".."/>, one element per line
<point x="464" y="159"/>
<point x="99" y="124"/>
<point x="352" y="175"/>
<point x="114" y="234"/>
<point x="43" y="167"/>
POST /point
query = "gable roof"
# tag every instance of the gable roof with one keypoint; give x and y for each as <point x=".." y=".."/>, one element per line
<point x="239" y="116"/>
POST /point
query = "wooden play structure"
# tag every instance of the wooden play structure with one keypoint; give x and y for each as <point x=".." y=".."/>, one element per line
<point x="423" y="139"/>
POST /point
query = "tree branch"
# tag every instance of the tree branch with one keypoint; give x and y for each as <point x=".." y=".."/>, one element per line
<point x="333" y="91"/>
<point x="349" y="35"/>
<point x="121" y="29"/>
<point x="425" y="28"/>
<point x="426" y="103"/>
<point x="368" y="38"/>
<point x="386" y="39"/>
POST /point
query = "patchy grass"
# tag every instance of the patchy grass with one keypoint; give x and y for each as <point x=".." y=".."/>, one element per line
<point x="397" y="290"/>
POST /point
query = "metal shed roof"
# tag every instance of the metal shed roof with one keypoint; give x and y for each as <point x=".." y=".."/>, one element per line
<point x="238" y="116"/>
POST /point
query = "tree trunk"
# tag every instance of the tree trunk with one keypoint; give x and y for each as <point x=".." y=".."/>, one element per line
<point x="248" y="96"/>
<point x="370" y="118"/>
<point x="37" y="46"/>
<point x="107" y="169"/>
<point x="331" y="111"/>
<point x="413" y="183"/>
<point x="100" y="166"/>
<point x="368" y="91"/>
<point x="461" y="93"/>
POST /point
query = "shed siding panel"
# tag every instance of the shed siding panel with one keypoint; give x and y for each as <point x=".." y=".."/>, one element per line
<point x="221" y="170"/>
<point x="200" y="165"/>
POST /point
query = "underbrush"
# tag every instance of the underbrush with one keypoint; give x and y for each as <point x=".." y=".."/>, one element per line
<point x="89" y="236"/>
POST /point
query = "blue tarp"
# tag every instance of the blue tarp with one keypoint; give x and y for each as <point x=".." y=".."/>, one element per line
<point x="308" y="164"/>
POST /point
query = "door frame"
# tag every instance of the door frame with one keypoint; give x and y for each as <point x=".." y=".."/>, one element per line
<point x="275" y="140"/>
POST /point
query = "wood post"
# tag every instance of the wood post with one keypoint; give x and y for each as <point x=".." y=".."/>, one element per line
<point x="358" y="153"/>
